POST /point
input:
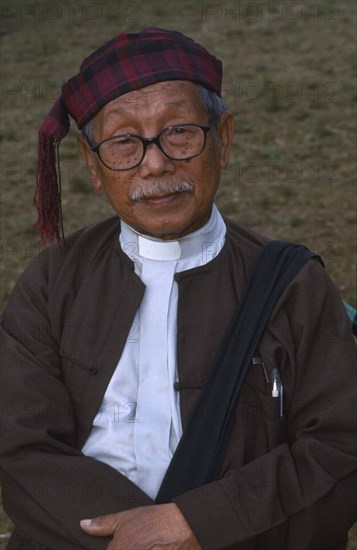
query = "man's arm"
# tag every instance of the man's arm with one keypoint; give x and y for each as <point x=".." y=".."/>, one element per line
<point x="48" y="484"/>
<point x="301" y="494"/>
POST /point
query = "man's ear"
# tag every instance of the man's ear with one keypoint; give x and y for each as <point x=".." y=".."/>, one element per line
<point x="226" y="132"/>
<point x="90" y="161"/>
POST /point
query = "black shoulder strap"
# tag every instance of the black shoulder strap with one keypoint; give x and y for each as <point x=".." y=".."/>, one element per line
<point x="200" y="452"/>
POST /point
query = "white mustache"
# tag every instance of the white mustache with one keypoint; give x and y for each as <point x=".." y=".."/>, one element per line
<point x="164" y="187"/>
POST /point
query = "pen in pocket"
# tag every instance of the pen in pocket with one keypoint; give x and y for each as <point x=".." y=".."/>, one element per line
<point x="277" y="388"/>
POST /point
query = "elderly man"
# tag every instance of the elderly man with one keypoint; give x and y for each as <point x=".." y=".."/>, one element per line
<point x="109" y="336"/>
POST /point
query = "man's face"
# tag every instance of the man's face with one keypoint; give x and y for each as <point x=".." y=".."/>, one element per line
<point x="165" y="214"/>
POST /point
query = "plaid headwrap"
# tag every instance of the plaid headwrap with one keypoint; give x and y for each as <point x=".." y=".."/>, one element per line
<point x="128" y="62"/>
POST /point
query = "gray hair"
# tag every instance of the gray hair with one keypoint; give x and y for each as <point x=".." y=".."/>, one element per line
<point x="212" y="104"/>
<point x="87" y="131"/>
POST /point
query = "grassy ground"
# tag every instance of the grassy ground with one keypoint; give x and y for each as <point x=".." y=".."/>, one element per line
<point x="289" y="78"/>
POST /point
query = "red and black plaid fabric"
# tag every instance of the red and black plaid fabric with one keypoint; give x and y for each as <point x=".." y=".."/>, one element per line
<point x="128" y="62"/>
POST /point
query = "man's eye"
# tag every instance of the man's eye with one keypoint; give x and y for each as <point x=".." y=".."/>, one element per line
<point x="127" y="140"/>
<point x="178" y="133"/>
<point x="120" y="143"/>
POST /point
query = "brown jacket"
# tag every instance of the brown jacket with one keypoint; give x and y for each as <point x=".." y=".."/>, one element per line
<point x="286" y="483"/>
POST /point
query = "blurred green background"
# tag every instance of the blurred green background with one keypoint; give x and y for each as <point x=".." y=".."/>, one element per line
<point x="289" y="78"/>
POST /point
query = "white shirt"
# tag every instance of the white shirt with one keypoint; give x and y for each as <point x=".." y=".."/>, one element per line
<point x="138" y="426"/>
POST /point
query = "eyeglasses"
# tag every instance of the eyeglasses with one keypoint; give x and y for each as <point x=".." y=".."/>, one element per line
<point x="126" y="151"/>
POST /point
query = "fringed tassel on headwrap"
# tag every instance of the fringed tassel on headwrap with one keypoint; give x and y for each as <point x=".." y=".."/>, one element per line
<point x="48" y="189"/>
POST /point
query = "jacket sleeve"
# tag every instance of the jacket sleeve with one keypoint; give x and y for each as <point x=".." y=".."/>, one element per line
<point x="48" y="484"/>
<point x="301" y="495"/>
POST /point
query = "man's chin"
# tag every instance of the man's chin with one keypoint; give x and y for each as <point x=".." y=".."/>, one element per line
<point x="169" y="229"/>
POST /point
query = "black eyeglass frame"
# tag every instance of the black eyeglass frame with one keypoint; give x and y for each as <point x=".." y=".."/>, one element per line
<point x="148" y="141"/>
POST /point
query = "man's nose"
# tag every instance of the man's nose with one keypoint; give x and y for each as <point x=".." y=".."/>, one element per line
<point x="155" y="162"/>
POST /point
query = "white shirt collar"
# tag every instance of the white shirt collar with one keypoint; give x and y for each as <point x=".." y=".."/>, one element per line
<point x="138" y="246"/>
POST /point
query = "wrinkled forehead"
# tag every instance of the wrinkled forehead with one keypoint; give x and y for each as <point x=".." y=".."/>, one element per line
<point x="157" y="100"/>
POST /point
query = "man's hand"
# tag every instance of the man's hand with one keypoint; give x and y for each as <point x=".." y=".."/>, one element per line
<point x="160" y="527"/>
